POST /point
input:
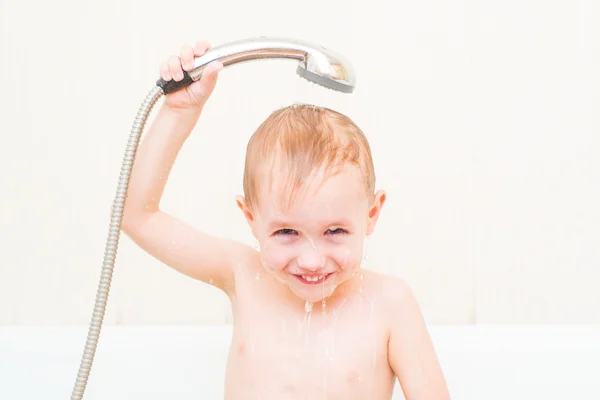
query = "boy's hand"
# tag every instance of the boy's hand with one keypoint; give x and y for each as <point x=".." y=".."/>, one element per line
<point x="195" y="95"/>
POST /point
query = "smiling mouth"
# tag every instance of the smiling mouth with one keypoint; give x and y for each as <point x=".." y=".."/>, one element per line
<point x="313" y="279"/>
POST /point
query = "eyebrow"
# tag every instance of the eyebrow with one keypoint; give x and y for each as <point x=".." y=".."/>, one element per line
<point x="281" y="223"/>
<point x="278" y="224"/>
<point x="340" y="222"/>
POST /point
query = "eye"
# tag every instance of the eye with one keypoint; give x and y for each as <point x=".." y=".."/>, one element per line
<point x="337" y="231"/>
<point x="286" y="232"/>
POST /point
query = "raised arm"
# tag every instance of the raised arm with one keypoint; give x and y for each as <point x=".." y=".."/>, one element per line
<point x="173" y="242"/>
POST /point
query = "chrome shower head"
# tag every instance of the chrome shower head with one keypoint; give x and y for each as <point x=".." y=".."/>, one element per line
<point x="316" y="63"/>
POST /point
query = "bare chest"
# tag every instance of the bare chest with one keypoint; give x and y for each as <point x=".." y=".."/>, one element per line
<point x="326" y="354"/>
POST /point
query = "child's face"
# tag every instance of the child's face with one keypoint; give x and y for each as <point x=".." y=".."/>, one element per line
<point x="317" y="243"/>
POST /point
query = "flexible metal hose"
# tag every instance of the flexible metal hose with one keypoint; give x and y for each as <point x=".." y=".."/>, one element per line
<point x="317" y="64"/>
<point x="112" y="243"/>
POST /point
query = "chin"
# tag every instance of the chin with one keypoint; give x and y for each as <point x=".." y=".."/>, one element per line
<point x="314" y="296"/>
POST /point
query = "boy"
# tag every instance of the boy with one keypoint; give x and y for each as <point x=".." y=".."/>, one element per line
<point x="308" y="322"/>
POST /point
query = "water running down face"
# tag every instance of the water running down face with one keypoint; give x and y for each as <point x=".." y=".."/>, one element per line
<point x="310" y="217"/>
<point x="316" y="243"/>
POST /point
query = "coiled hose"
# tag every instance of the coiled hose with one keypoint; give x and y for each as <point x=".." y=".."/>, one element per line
<point x="112" y="242"/>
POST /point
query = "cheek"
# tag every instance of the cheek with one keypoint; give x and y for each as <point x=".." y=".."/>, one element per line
<point x="275" y="258"/>
<point x="346" y="257"/>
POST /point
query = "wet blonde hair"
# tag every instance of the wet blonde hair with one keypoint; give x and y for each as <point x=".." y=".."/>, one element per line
<point x="298" y="140"/>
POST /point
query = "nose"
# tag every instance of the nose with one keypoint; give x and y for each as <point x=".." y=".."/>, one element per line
<point x="310" y="258"/>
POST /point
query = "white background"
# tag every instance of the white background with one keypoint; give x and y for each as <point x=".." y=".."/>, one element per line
<point x="482" y="117"/>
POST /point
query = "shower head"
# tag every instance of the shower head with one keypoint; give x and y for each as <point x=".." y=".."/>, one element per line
<point x="316" y="63"/>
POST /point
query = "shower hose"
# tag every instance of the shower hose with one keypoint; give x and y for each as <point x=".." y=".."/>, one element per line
<point x="316" y="64"/>
<point x="112" y="243"/>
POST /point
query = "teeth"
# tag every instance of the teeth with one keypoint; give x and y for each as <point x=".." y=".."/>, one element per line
<point x="312" y="278"/>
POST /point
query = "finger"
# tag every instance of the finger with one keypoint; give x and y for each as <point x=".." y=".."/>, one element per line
<point x="201" y="47"/>
<point x="206" y="85"/>
<point x="212" y="70"/>
<point x="210" y="74"/>
<point x="164" y="72"/>
<point x="187" y="57"/>
<point x="175" y="68"/>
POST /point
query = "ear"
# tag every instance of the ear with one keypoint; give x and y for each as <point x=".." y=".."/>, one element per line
<point x="241" y="203"/>
<point x="375" y="210"/>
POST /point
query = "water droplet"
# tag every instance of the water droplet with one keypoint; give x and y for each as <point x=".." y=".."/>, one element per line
<point x="211" y="281"/>
<point x="362" y="276"/>
<point x="257" y="277"/>
<point x="308" y="306"/>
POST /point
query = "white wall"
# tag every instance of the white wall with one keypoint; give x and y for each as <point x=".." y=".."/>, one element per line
<point x="482" y="115"/>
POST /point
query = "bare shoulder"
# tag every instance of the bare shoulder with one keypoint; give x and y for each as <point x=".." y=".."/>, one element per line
<point x="247" y="265"/>
<point x="392" y="290"/>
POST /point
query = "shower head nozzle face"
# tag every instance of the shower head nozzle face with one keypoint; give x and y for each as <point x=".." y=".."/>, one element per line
<point x="329" y="69"/>
<point x="325" y="81"/>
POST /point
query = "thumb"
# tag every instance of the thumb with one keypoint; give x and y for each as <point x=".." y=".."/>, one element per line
<point x="208" y="81"/>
